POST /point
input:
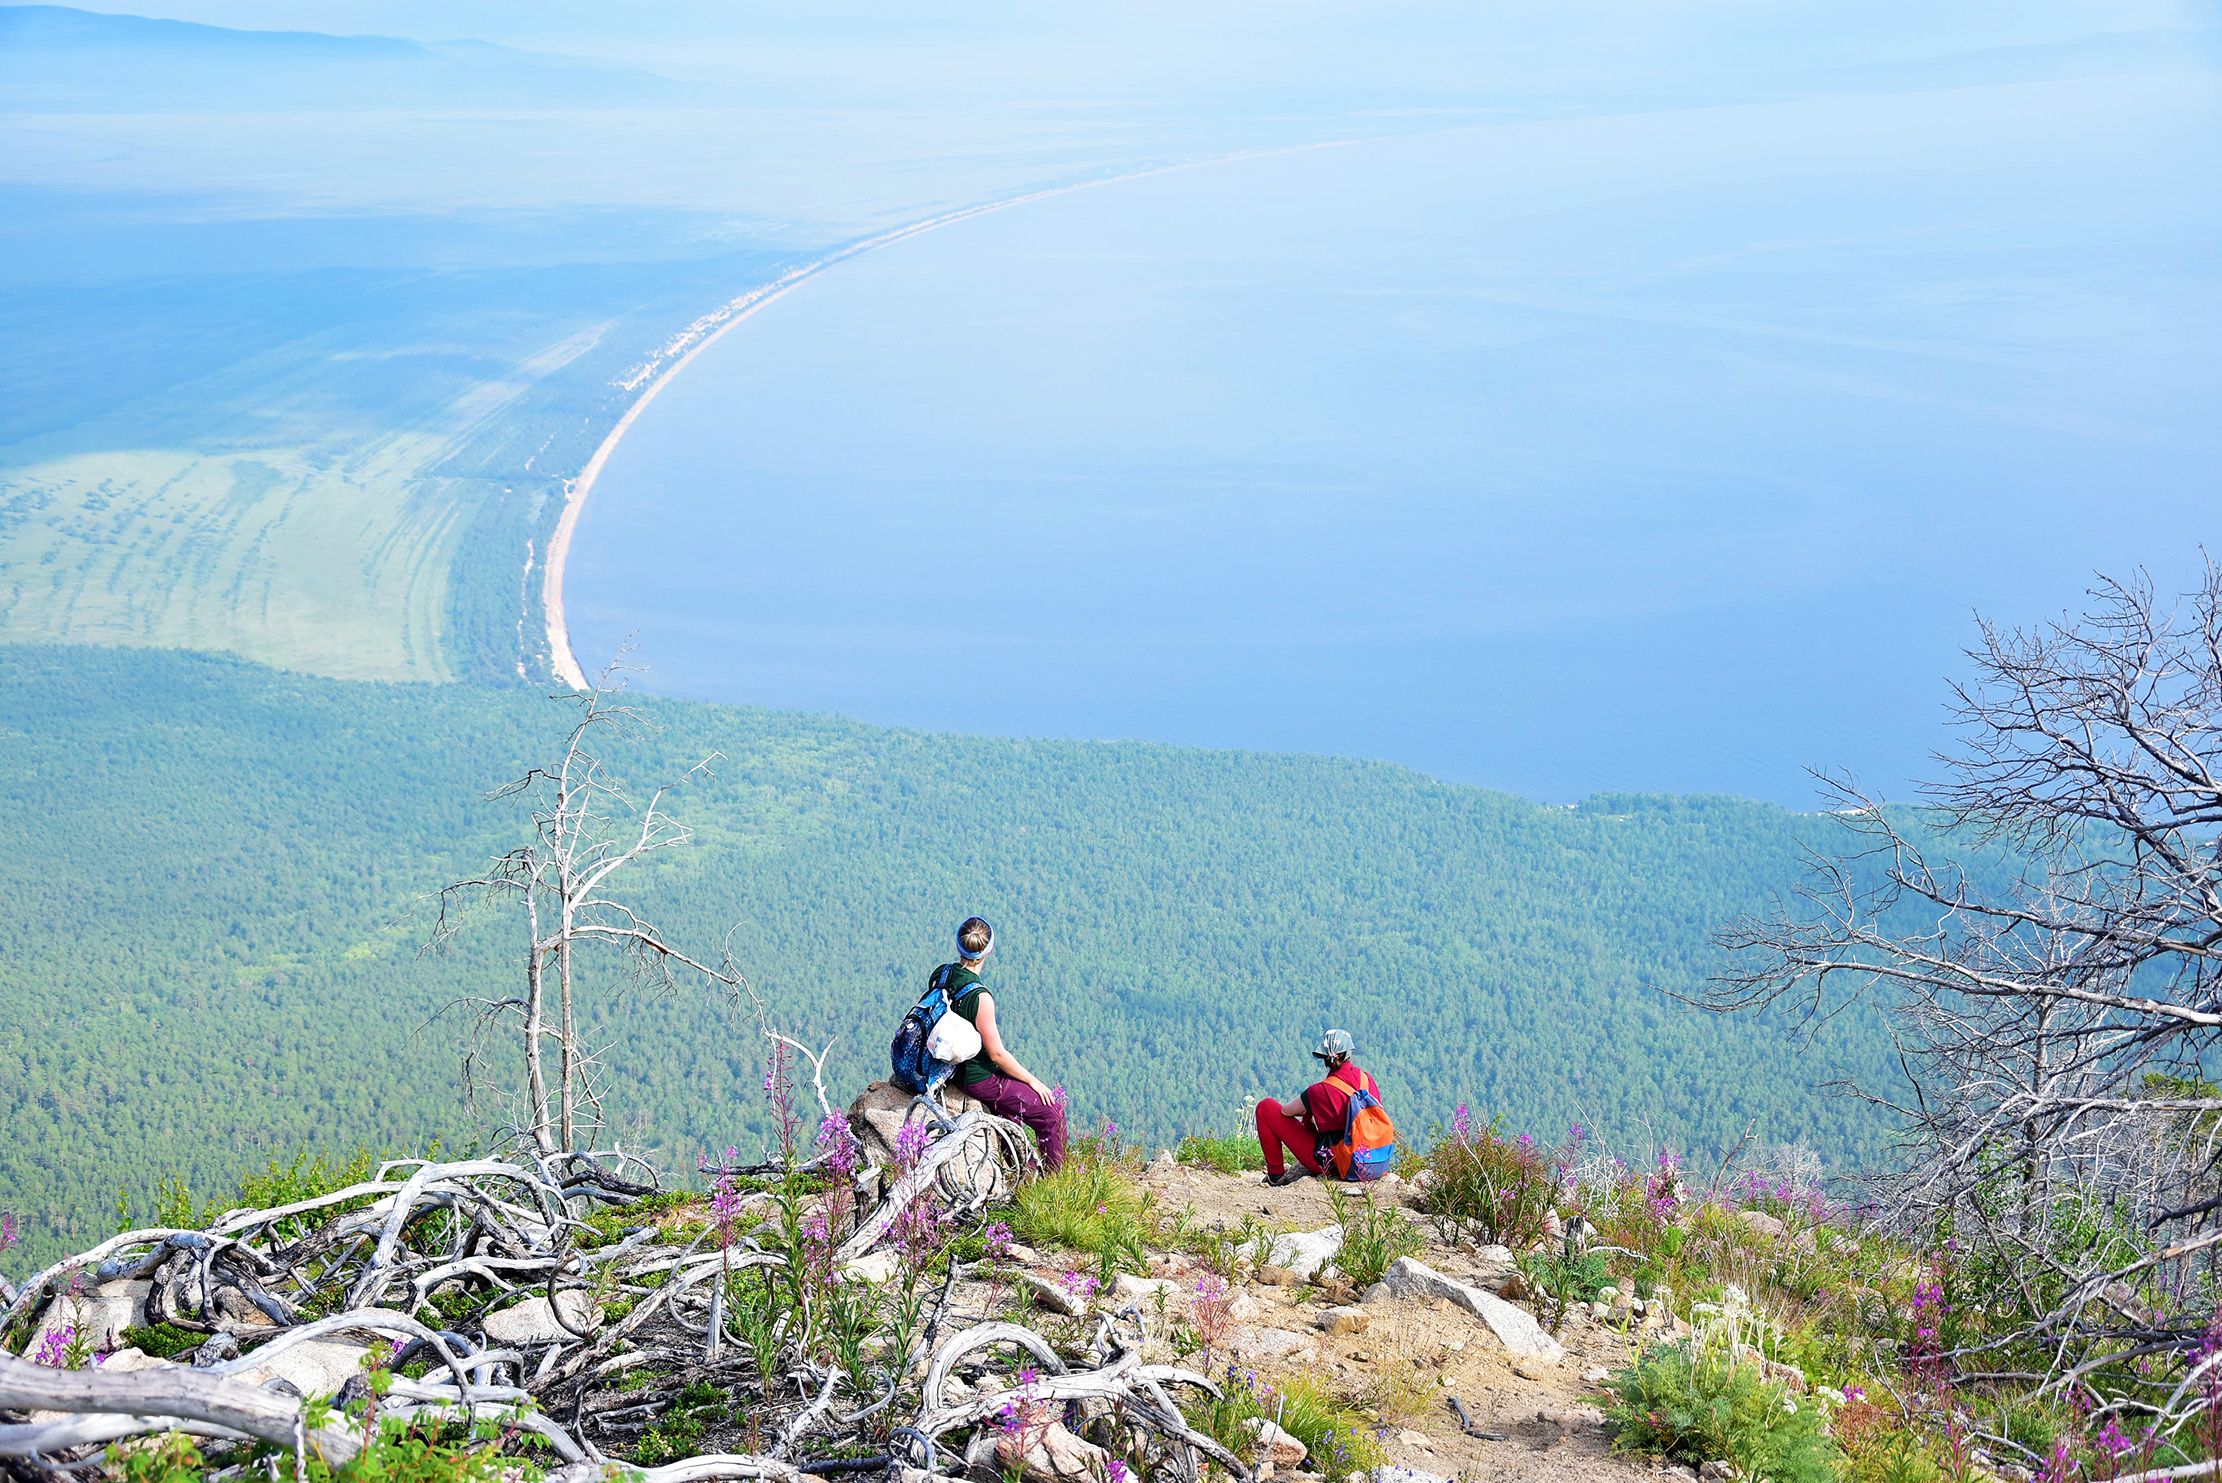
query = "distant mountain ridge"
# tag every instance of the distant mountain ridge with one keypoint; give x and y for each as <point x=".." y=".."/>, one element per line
<point x="61" y="59"/>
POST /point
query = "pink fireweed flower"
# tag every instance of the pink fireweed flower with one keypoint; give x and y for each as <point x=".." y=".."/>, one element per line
<point x="843" y="1152"/>
<point x="1462" y="1121"/>
<point x="2113" y="1441"/>
<point x="54" y="1348"/>
<point x="997" y="1238"/>
<point x="8" y="1233"/>
<point x="911" y="1144"/>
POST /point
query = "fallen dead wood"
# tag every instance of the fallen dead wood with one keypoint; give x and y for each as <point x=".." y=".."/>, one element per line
<point x="166" y="1394"/>
<point x="597" y="1341"/>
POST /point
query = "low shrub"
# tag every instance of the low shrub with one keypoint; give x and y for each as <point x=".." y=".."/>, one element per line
<point x="162" y="1340"/>
<point x="1341" y="1442"/>
<point x="1487" y="1187"/>
<point x="1692" y="1401"/>
<point x="1566" y="1280"/>
<point x="1373" y="1236"/>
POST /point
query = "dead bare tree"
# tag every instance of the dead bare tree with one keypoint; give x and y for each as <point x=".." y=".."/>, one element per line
<point x="585" y="829"/>
<point x="2056" y="1033"/>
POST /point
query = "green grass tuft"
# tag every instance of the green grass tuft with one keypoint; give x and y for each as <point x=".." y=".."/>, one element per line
<point x="1229" y="1153"/>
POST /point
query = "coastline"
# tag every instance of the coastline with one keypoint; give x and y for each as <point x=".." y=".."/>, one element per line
<point x="562" y="661"/>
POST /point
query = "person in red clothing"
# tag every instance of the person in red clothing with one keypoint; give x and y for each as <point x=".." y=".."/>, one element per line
<point x="1308" y="1125"/>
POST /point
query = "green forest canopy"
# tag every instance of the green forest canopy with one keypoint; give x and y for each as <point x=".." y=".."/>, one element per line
<point x="215" y="873"/>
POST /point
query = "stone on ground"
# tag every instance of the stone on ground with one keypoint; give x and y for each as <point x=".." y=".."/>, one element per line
<point x="1515" y="1328"/>
<point x="1305" y="1252"/>
<point x="1050" y="1295"/>
<point x="534" y="1322"/>
<point x="1390" y="1473"/>
<point x="877" y="1268"/>
<point x="1279" y="1448"/>
<point x="1127" y="1285"/>
<point x="1261" y="1345"/>
<point x="101" y="1312"/>
<point x="1050" y="1454"/>
<point x="316" y="1368"/>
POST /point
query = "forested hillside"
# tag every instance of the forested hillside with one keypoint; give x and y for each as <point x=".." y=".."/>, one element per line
<point x="213" y="875"/>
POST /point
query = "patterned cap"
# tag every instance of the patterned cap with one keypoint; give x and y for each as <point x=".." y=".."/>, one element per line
<point x="1334" y="1045"/>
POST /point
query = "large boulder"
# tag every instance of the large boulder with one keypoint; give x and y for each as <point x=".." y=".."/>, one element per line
<point x="1514" y="1327"/>
<point x="880" y="1114"/>
<point x="103" y="1312"/>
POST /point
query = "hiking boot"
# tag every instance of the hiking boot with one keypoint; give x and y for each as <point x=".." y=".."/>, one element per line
<point x="1283" y="1181"/>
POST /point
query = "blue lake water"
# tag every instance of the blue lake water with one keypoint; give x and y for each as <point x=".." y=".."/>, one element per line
<point x="1668" y="451"/>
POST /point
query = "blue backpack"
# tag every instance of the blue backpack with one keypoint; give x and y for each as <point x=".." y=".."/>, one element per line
<point x="913" y="1067"/>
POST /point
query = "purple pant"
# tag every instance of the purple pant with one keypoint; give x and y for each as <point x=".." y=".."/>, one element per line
<point x="1023" y="1105"/>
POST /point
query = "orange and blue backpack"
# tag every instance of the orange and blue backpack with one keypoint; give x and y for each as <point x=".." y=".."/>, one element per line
<point x="1367" y="1148"/>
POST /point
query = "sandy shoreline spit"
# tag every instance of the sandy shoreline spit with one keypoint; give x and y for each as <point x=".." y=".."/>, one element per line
<point x="562" y="660"/>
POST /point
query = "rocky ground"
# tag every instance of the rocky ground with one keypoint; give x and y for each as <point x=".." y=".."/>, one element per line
<point x="1406" y="1356"/>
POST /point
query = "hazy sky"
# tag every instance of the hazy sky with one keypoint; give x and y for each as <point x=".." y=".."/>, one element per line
<point x="1177" y="44"/>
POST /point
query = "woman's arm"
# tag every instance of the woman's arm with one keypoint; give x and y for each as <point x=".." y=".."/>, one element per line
<point x="991" y="1041"/>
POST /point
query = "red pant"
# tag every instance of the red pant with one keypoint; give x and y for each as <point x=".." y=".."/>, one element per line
<point x="1276" y="1128"/>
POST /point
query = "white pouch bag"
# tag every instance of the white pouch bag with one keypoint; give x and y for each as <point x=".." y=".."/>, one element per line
<point x="953" y="1040"/>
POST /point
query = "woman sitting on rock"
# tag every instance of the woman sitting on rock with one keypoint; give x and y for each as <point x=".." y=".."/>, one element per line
<point x="994" y="1078"/>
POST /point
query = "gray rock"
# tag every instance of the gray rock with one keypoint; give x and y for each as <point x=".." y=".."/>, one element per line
<point x="1127" y="1285"/>
<point x="1258" y="1344"/>
<point x="1049" y="1295"/>
<point x="1514" y="1327"/>
<point x="1305" y="1252"/>
<point x="876" y="1268"/>
<point x="1344" y="1320"/>
<point x="534" y="1322"/>
<point x="103" y="1312"/>
<point x="1390" y="1473"/>
<point x="1279" y="1448"/>
<point x="319" y="1367"/>
<point x="1050" y="1454"/>
<point x="1761" y="1223"/>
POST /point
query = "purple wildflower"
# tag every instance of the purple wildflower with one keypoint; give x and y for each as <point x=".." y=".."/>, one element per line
<point x="998" y="1239"/>
<point x="843" y="1152"/>
<point x="54" y="1348"/>
<point x="910" y="1144"/>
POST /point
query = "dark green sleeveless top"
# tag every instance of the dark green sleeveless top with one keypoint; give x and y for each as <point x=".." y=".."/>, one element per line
<point x="963" y="981"/>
